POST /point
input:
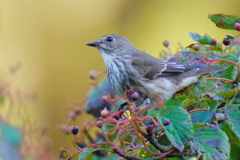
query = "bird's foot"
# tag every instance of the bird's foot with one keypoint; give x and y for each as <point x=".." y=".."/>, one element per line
<point x="121" y="107"/>
<point x="146" y="101"/>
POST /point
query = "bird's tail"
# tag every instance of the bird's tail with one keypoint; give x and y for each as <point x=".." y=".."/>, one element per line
<point x="197" y="72"/>
<point x="209" y="69"/>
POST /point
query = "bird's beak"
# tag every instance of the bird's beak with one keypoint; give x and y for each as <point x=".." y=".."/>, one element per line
<point x="93" y="44"/>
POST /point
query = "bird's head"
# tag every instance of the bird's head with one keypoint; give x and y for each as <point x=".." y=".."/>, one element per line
<point x="111" y="43"/>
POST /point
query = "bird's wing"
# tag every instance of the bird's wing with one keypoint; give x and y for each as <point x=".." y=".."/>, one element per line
<point x="150" y="67"/>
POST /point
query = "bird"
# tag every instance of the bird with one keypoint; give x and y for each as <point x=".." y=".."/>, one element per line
<point x="152" y="78"/>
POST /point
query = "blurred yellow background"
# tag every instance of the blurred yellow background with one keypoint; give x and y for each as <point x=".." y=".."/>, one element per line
<point x="48" y="37"/>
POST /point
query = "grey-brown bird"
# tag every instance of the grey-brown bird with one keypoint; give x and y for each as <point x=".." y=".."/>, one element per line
<point x="129" y="67"/>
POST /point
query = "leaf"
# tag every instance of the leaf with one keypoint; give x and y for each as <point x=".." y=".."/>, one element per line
<point x="173" y="102"/>
<point x="224" y="21"/>
<point x="143" y="153"/>
<point x="86" y="152"/>
<point x="207" y="115"/>
<point x="230" y="71"/>
<point x="195" y="36"/>
<point x="10" y="134"/>
<point x="94" y="101"/>
<point x="205" y="39"/>
<point x="179" y="130"/>
<point x="233" y="114"/>
<point x="210" y="141"/>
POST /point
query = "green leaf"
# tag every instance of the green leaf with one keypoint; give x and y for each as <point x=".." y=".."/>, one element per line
<point x="195" y="36"/>
<point x="224" y="21"/>
<point x="210" y="141"/>
<point x="207" y="115"/>
<point x="86" y="152"/>
<point x="10" y="134"/>
<point x="143" y="153"/>
<point x="94" y="101"/>
<point x="179" y="130"/>
<point x="230" y="71"/>
<point x="205" y="39"/>
<point x="233" y="114"/>
<point x="174" y="102"/>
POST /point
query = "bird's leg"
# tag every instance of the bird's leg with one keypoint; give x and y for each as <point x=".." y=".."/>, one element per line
<point x="121" y="108"/>
<point x="146" y="101"/>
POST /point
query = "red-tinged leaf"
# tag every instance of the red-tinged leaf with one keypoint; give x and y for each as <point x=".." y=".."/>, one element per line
<point x="224" y="21"/>
<point x="210" y="142"/>
<point x="236" y="42"/>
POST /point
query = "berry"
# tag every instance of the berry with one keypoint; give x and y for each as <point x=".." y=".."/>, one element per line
<point x="78" y="111"/>
<point x="166" y="122"/>
<point x="237" y="26"/>
<point x="65" y="128"/>
<point x="104" y="112"/>
<point x="75" y="130"/>
<point x="226" y="41"/>
<point x="71" y="114"/>
<point x="105" y="98"/>
<point x="134" y="96"/>
<point x="99" y="124"/>
<point x="196" y="47"/>
<point x="93" y="74"/>
<point x="166" y="43"/>
<point x="213" y="41"/>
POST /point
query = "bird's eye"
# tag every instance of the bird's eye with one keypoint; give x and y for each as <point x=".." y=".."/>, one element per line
<point x="109" y="39"/>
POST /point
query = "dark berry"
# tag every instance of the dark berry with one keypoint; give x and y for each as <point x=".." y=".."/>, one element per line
<point x="93" y="74"/>
<point x="134" y="96"/>
<point x="166" y="43"/>
<point x="105" y="98"/>
<point x="99" y="124"/>
<point x="213" y="41"/>
<point x="75" y="130"/>
<point x="166" y="122"/>
<point x="226" y="41"/>
<point x="237" y="26"/>
<point x="196" y="47"/>
<point x="104" y="113"/>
